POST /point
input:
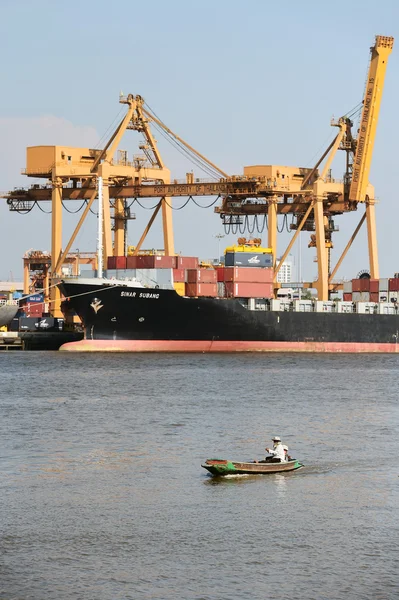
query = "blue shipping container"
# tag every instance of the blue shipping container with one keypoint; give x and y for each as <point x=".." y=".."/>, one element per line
<point x="248" y="259"/>
<point x="35" y="298"/>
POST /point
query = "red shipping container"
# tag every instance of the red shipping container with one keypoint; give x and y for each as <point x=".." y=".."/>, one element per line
<point x="394" y="285"/>
<point x="131" y="262"/>
<point x="374" y="285"/>
<point x="364" y="284"/>
<point x="179" y="275"/>
<point x="347" y="297"/>
<point x="220" y="273"/>
<point x="111" y="262"/>
<point x="164" y="262"/>
<point x="186" y="262"/>
<point x="245" y="275"/>
<point x="201" y="276"/>
<point x="249" y="290"/>
<point x="145" y="261"/>
<point x="356" y="285"/>
<point x="202" y="289"/>
<point x="120" y="262"/>
<point x="374" y="296"/>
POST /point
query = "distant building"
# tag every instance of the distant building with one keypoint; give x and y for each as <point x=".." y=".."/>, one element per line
<point x="285" y="273"/>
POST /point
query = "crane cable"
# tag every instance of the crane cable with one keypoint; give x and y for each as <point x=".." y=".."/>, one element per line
<point x="201" y="163"/>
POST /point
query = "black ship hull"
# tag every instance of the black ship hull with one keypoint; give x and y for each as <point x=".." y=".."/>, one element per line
<point x="124" y="318"/>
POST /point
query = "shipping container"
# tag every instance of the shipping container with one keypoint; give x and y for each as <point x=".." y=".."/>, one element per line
<point x="374" y="296"/>
<point x="248" y="290"/>
<point x="347" y="296"/>
<point x="201" y="276"/>
<point x="201" y="289"/>
<point x="392" y="296"/>
<point x="374" y="285"/>
<point x="361" y="296"/>
<point x="356" y="285"/>
<point x="245" y="275"/>
<point x="247" y="259"/>
<point x="347" y="288"/>
<point x="364" y="284"/>
<point x="186" y="262"/>
<point x="40" y="324"/>
<point x="383" y="296"/>
<point x="393" y="285"/>
<point x="120" y="262"/>
<point x="35" y="298"/>
<point x="180" y="288"/>
<point x="111" y="262"/>
<point x="164" y="262"/>
<point x="384" y="285"/>
<point x="221" y="289"/>
<point x="131" y="262"/>
<point x="179" y="275"/>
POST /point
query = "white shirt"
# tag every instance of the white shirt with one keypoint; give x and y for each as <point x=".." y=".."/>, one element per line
<point x="278" y="452"/>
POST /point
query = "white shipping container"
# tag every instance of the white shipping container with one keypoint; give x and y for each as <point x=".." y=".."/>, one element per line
<point x="386" y="308"/>
<point x="361" y="296"/>
<point x="344" y="307"/>
<point x="347" y="287"/>
<point x="383" y="285"/>
<point x="327" y="306"/>
<point x="392" y="296"/>
<point x="365" y="308"/>
<point x="303" y="305"/>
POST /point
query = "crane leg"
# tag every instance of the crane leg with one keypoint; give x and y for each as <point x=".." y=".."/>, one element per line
<point x="322" y="281"/>
<point x="167" y="224"/>
<point x="272" y="229"/>
<point x="56" y="242"/>
<point x="119" y="235"/>
<point x="372" y="239"/>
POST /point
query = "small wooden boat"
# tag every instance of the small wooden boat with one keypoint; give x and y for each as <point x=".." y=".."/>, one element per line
<point x="221" y="468"/>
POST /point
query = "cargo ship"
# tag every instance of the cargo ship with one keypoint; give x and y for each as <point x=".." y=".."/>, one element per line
<point x="227" y="308"/>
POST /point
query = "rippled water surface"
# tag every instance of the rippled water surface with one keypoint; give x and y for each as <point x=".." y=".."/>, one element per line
<point x="103" y="496"/>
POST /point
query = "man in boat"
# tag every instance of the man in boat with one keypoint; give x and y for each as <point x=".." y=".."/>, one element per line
<point x="278" y="452"/>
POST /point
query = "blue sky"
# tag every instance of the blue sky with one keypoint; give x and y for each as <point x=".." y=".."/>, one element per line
<point x="253" y="82"/>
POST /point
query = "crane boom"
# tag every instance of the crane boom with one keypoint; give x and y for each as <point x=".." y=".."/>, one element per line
<point x="368" y="123"/>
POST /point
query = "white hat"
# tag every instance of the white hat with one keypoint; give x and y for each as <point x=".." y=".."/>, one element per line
<point x="276" y="439"/>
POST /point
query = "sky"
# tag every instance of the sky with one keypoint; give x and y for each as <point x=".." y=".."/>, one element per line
<point x="254" y="82"/>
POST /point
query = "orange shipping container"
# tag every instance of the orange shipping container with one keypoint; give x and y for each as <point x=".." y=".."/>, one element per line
<point x="201" y="276"/>
<point x="356" y="285"/>
<point x="186" y="262"/>
<point x="202" y="289"/>
<point x="249" y="290"/>
<point x="374" y="296"/>
<point x="179" y="275"/>
<point x="245" y="275"/>
<point x="347" y="297"/>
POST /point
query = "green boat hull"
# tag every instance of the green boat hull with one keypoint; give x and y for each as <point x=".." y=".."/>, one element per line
<point x="220" y="468"/>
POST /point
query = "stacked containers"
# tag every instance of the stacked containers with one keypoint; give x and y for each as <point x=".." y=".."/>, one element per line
<point x="242" y="282"/>
<point x="201" y="282"/>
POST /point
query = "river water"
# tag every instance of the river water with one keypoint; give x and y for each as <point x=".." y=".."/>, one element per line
<point x="103" y="496"/>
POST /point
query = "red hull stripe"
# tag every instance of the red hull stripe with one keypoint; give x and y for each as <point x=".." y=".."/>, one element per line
<point x="219" y="346"/>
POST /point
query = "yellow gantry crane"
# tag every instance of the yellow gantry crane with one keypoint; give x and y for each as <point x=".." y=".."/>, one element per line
<point x="311" y="196"/>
